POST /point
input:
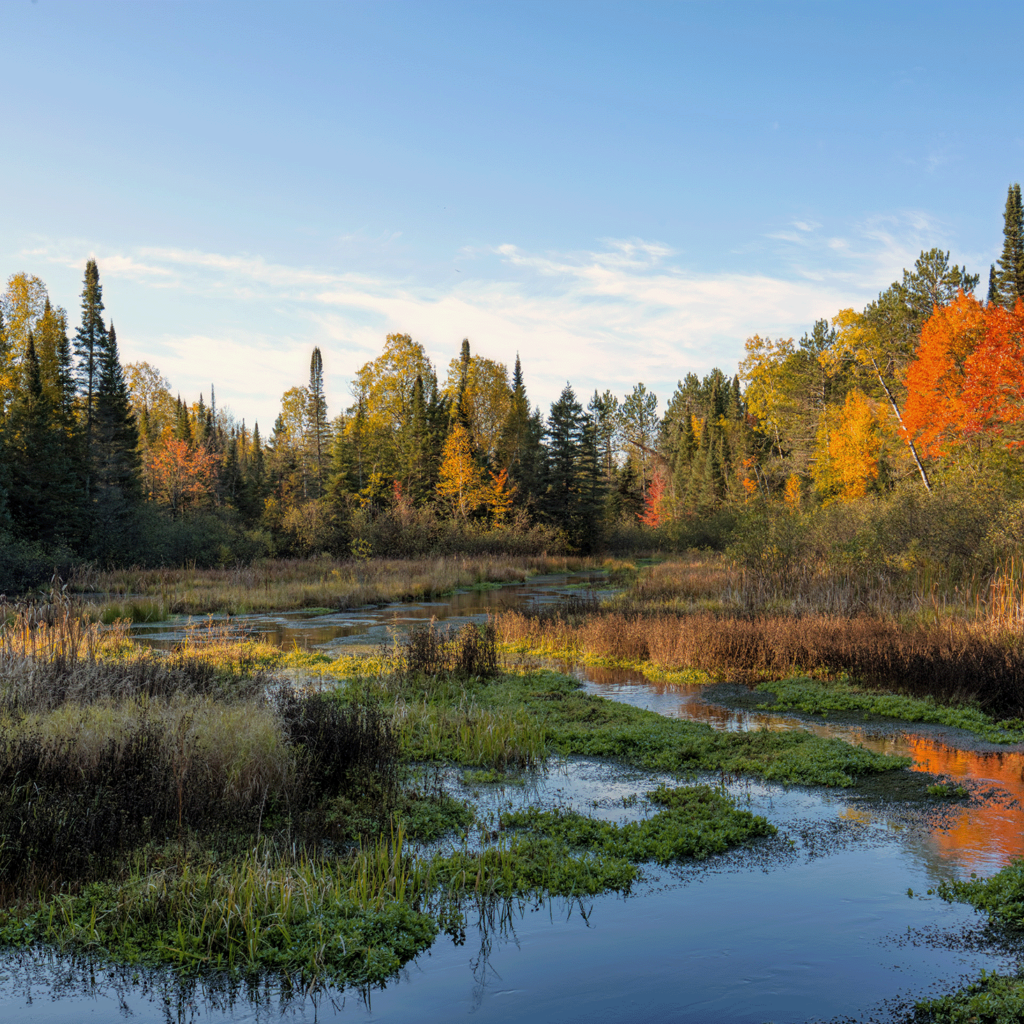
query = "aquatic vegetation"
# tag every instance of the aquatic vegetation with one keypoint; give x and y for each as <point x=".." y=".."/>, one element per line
<point x="816" y="697"/>
<point x="581" y="724"/>
<point x="529" y="865"/>
<point x="1001" y="896"/>
<point x="948" y="791"/>
<point x="993" y="999"/>
<point x="697" y="821"/>
<point x="303" y="918"/>
<point x="426" y="818"/>
<point x="673" y="622"/>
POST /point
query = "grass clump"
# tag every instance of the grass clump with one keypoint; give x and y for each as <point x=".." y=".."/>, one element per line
<point x="580" y="724"/>
<point x="300" y="918"/>
<point x="529" y="865"/>
<point x="992" y="999"/>
<point x="817" y="697"/>
<point x="697" y="821"/>
<point x="1001" y="896"/>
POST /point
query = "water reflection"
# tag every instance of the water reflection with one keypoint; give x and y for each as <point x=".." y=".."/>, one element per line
<point x="980" y="837"/>
<point x="780" y="931"/>
<point x="370" y="625"/>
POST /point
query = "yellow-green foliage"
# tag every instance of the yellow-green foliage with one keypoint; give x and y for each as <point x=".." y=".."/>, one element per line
<point x="239" y="746"/>
<point x="470" y="735"/>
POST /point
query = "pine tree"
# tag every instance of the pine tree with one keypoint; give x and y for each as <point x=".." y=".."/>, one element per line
<point x="992" y="299"/>
<point x="573" y="495"/>
<point x="460" y="410"/>
<point x="418" y="476"/>
<point x="116" y="463"/>
<point x="41" y="485"/>
<point x="1010" y="278"/>
<point x="318" y="428"/>
<point x="90" y="346"/>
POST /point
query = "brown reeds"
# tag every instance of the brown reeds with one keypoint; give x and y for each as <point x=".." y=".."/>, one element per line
<point x="284" y="584"/>
<point x="955" y="662"/>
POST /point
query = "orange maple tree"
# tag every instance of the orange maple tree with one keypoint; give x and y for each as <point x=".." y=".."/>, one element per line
<point x="994" y="389"/>
<point x="181" y="476"/>
<point x="653" y="513"/>
<point x="967" y="376"/>
<point x="936" y="411"/>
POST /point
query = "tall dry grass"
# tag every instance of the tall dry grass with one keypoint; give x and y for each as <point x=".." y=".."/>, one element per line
<point x="705" y="612"/>
<point x="152" y="594"/>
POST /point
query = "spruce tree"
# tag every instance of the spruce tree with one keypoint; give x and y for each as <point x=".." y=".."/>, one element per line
<point x="1010" y="277"/>
<point x="573" y="494"/>
<point x="318" y="428"/>
<point x="90" y="346"/>
<point x="116" y="463"/>
<point x="460" y="409"/>
<point x="41" y="485"/>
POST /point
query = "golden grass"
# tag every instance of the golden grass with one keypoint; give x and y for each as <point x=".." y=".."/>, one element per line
<point x="153" y="594"/>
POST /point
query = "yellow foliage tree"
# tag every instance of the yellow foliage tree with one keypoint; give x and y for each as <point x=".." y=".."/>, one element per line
<point x="852" y="442"/>
<point x="859" y="339"/>
<point x="488" y="398"/>
<point x="460" y="484"/>
<point x="498" y="496"/>
<point x="766" y="395"/>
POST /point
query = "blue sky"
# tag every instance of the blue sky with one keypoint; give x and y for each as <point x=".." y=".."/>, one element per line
<point x="620" y="192"/>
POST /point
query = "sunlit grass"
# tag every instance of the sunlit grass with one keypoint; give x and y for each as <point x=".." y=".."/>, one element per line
<point x="323" y="584"/>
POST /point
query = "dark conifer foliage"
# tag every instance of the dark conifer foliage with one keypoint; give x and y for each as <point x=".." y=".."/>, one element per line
<point x="573" y="494"/>
<point x="90" y="345"/>
<point x="317" y="419"/>
<point x="1010" y="277"/>
<point x="41" y="484"/>
<point x="117" y="470"/>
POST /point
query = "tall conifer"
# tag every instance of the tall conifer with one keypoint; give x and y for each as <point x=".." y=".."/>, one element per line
<point x="90" y="345"/>
<point x="116" y="463"/>
<point x="1010" y="278"/>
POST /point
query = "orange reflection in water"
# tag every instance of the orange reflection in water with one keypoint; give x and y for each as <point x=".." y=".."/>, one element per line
<point x="980" y="837"/>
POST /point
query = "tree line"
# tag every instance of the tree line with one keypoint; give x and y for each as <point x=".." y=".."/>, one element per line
<point x="103" y="462"/>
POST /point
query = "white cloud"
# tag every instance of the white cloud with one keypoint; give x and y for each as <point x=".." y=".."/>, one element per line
<point x="609" y="317"/>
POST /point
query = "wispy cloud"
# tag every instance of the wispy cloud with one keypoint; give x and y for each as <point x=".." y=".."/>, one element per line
<point x="622" y="312"/>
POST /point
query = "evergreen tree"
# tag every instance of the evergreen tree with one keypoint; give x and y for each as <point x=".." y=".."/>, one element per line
<point x="318" y="428"/>
<point x="573" y="494"/>
<point x="41" y="484"/>
<point x="90" y="346"/>
<point x="604" y="411"/>
<point x="419" y="476"/>
<point x="992" y="299"/>
<point x="520" y="447"/>
<point x="460" y="410"/>
<point x="1010" y="277"/>
<point x="116" y="463"/>
<point x="254" y="485"/>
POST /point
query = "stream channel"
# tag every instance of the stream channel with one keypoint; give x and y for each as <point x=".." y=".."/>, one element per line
<point x="829" y="921"/>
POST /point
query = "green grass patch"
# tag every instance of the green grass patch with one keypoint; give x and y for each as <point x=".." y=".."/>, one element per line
<point x="491" y="776"/>
<point x="992" y="999"/>
<point x="304" y="919"/>
<point x="697" y="821"/>
<point x="815" y="697"/>
<point x="1001" y="896"/>
<point x="427" y="818"/>
<point x="579" y="724"/>
<point x="948" y="791"/>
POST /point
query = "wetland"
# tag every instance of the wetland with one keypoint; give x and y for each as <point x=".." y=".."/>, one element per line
<point x="493" y="821"/>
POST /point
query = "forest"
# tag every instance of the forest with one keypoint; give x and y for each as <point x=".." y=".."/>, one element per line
<point x="884" y="441"/>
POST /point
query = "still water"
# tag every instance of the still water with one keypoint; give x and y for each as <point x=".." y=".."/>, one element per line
<point x="829" y="921"/>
